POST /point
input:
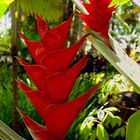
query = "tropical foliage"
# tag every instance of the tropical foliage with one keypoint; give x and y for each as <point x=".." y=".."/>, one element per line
<point x="60" y="60"/>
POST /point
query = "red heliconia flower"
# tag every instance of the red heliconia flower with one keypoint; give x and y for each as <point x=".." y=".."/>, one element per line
<point x="58" y="117"/>
<point x="99" y="16"/>
<point x="54" y="77"/>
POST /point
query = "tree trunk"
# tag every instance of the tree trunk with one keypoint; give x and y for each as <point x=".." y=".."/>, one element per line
<point x="68" y="9"/>
<point x="76" y="29"/>
<point x="15" y="42"/>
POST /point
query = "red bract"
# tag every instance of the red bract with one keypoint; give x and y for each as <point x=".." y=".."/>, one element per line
<point x="37" y="131"/>
<point x="99" y="16"/>
<point x="53" y="39"/>
<point x="42" y="27"/>
<point x="54" y="78"/>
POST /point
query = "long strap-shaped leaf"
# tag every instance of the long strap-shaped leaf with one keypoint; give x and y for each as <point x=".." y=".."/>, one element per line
<point x="6" y="133"/>
<point x="119" y="59"/>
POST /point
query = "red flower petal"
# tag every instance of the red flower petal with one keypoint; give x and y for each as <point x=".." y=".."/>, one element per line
<point x="32" y="46"/>
<point x="60" y="117"/>
<point x="39" y="99"/>
<point x="100" y="3"/>
<point x="55" y="38"/>
<point x="36" y="72"/>
<point x="39" y="49"/>
<point x="59" y="85"/>
<point x="62" y="30"/>
<point x="61" y="59"/>
<point x="96" y="25"/>
<point x="52" y="40"/>
<point x="43" y="27"/>
<point x="37" y="131"/>
<point x="49" y="42"/>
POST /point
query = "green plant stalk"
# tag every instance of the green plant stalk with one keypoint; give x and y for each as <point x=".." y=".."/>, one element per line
<point x="119" y="59"/>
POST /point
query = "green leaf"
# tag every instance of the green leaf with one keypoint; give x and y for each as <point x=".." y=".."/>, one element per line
<point x="51" y="10"/>
<point x="7" y="133"/>
<point x="116" y="120"/>
<point x="116" y="133"/>
<point x="120" y="60"/>
<point x="108" y="121"/>
<point x="93" y="135"/>
<point x="123" y="24"/>
<point x="80" y="6"/>
<point x="86" y="127"/>
<point x="122" y="129"/>
<point x="118" y="2"/>
<point x="127" y="66"/>
<point x="133" y="127"/>
<point x="119" y="132"/>
<point x="101" y="133"/>
<point x="111" y="109"/>
<point x="4" y="5"/>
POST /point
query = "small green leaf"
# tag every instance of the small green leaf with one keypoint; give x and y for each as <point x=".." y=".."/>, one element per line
<point x="93" y="135"/>
<point x="111" y="109"/>
<point x="123" y="24"/>
<point x="116" y="133"/>
<point x="3" y="8"/>
<point x="86" y="127"/>
<point x="113" y="123"/>
<point x="133" y="127"/>
<point x="119" y="132"/>
<point x="108" y="120"/>
<point x="122" y="129"/>
<point x="4" y="5"/>
<point x="116" y="120"/>
<point x="117" y="2"/>
<point x="101" y="133"/>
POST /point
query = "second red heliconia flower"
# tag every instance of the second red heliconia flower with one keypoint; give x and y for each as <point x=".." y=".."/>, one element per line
<point x="54" y="77"/>
<point x="99" y="16"/>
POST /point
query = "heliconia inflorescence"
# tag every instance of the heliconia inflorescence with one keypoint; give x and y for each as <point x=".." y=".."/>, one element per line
<point x="99" y="17"/>
<point x="54" y="77"/>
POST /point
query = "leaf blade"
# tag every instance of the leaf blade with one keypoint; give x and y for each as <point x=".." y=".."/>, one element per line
<point x="133" y="127"/>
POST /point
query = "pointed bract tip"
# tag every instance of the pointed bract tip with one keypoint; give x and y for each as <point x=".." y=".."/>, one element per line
<point x="70" y="18"/>
<point x="93" y="89"/>
<point x="23" y="36"/>
<point x="20" y="112"/>
<point x="21" y="61"/>
<point x="38" y="17"/>
<point x="23" y="86"/>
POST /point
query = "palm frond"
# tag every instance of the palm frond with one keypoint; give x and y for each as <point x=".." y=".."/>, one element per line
<point x="51" y="10"/>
